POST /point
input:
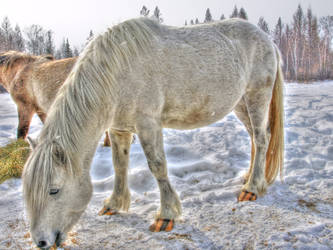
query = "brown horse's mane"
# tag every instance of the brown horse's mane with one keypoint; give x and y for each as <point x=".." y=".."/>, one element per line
<point x="9" y="58"/>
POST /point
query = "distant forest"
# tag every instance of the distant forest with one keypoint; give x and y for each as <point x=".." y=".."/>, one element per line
<point x="305" y="43"/>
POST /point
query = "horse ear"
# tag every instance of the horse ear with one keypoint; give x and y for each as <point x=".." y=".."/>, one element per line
<point x="32" y="142"/>
<point x="59" y="154"/>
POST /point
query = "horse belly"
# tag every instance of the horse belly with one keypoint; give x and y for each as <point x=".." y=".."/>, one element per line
<point x="195" y="116"/>
<point x="191" y="121"/>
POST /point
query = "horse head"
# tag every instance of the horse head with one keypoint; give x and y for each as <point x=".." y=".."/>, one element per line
<point x="55" y="194"/>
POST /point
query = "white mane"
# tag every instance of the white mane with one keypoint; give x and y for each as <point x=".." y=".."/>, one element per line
<point x="80" y="98"/>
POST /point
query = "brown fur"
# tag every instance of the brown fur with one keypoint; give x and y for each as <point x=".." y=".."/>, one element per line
<point x="33" y="82"/>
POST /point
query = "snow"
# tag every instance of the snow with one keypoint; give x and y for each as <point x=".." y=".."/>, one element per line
<point x="205" y="167"/>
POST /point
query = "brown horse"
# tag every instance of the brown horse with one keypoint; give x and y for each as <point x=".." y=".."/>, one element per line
<point x="33" y="82"/>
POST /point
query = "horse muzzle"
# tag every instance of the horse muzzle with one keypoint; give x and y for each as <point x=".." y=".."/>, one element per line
<point x="44" y="243"/>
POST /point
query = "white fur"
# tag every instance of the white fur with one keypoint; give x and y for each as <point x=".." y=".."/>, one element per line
<point x="140" y="77"/>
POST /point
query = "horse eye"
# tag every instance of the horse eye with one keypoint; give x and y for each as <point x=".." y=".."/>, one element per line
<point x="53" y="191"/>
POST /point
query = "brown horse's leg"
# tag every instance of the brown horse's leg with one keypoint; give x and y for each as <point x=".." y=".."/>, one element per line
<point x="107" y="142"/>
<point x="25" y="113"/>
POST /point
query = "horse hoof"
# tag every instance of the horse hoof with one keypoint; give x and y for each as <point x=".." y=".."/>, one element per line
<point x="107" y="211"/>
<point x="247" y="196"/>
<point x="162" y="225"/>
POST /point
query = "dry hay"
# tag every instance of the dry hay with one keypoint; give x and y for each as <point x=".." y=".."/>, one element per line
<point x="12" y="159"/>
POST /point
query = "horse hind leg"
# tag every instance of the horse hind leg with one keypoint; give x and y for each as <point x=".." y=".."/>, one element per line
<point x="243" y="115"/>
<point x="107" y="142"/>
<point x="151" y="139"/>
<point x="120" y="198"/>
<point x="257" y="104"/>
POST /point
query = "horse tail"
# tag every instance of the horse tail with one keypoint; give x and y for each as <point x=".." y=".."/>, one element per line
<point x="275" y="151"/>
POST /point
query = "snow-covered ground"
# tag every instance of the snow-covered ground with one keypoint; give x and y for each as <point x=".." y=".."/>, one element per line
<point x="205" y="167"/>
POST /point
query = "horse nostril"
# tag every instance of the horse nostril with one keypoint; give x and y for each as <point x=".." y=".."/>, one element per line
<point x="42" y="243"/>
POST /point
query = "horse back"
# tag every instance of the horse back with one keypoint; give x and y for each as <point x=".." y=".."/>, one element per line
<point x="194" y="76"/>
<point x="46" y="79"/>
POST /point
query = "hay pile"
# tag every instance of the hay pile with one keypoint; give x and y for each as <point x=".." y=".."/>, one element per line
<point x="12" y="159"/>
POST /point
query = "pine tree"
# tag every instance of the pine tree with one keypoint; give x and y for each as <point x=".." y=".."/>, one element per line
<point x="192" y="22"/>
<point x="234" y="12"/>
<point x="222" y="17"/>
<point x="157" y="15"/>
<point x="61" y="51"/>
<point x="262" y="24"/>
<point x="208" y="16"/>
<point x="185" y="22"/>
<point x="90" y="37"/>
<point x="67" y="50"/>
<point x="76" y="52"/>
<point x="278" y="32"/>
<point x="49" y="43"/>
<point x="242" y="14"/>
<point x="197" y="21"/>
<point x="144" y="11"/>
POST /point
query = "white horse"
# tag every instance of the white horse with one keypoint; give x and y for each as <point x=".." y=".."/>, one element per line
<point x="140" y="77"/>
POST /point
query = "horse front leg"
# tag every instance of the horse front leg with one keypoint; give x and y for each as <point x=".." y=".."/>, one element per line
<point x="25" y="113"/>
<point x="120" y="198"/>
<point x="151" y="139"/>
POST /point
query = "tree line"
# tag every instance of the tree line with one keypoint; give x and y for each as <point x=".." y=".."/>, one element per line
<point x="34" y="40"/>
<point x="305" y="43"/>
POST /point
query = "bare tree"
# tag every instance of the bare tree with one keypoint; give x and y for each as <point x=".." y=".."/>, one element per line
<point x="326" y="24"/>
<point x="19" y="42"/>
<point x="7" y="34"/>
<point x="36" y="39"/>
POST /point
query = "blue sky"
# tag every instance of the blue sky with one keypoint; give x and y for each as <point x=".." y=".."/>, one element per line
<point x="75" y="18"/>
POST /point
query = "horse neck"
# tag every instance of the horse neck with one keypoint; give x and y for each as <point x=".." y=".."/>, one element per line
<point x="80" y="143"/>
